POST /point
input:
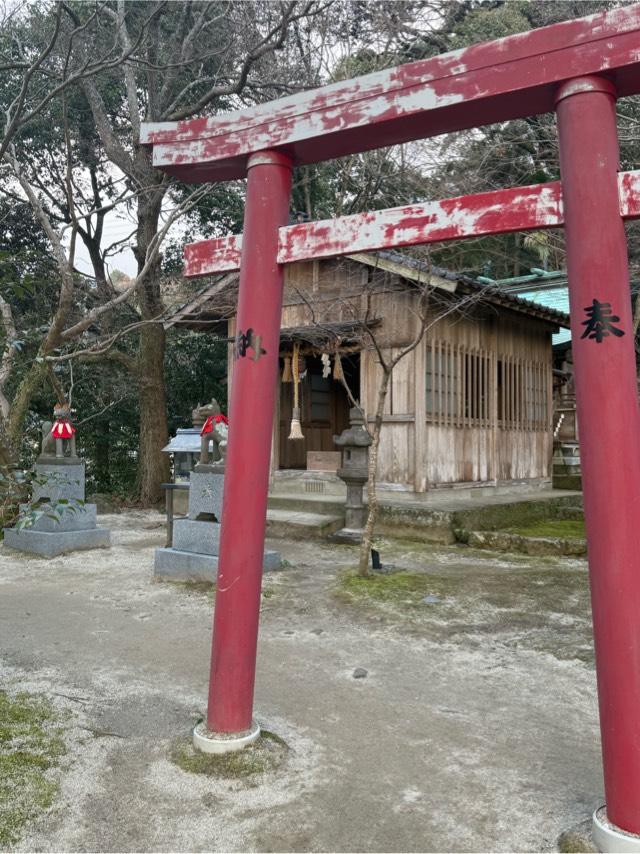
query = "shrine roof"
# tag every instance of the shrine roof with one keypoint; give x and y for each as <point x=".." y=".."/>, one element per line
<point x="217" y="300"/>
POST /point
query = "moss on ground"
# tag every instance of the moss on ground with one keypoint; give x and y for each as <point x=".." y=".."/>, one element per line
<point x="398" y="587"/>
<point x="31" y="746"/>
<point x="266" y="754"/>
<point x="538" y="606"/>
<point x="565" y="529"/>
<point x="193" y="588"/>
<point x="498" y="517"/>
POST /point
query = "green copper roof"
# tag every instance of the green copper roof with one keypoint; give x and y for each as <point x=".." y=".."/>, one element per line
<point x="546" y="288"/>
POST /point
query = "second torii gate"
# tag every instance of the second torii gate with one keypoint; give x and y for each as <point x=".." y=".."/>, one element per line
<point x="578" y="68"/>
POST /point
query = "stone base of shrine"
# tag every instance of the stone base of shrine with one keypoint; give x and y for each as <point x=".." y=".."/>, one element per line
<point x="177" y="565"/>
<point x="53" y="544"/>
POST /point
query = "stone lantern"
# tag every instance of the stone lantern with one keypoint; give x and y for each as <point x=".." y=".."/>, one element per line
<point x="355" y="442"/>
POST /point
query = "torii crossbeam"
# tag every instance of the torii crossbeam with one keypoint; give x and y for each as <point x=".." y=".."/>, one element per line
<point x="577" y="68"/>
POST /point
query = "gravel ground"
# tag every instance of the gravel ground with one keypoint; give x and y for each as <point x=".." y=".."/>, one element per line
<point x="474" y="729"/>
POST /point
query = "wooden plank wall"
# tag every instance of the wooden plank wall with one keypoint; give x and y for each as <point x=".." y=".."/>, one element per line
<point x="476" y="432"/>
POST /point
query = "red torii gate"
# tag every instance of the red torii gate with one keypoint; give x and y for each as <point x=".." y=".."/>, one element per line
<point x="577" y="68"/>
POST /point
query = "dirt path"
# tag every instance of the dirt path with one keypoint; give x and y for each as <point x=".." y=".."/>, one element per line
<point x="474" y="729"/>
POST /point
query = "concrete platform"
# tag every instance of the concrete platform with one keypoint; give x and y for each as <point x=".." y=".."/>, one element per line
<point x="48" y="544"/>
<point x="177" y="565"/>
<point x="432" y="517"/>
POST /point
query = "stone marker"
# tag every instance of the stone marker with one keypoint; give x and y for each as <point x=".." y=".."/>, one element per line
<point x="193" y="554"/>
<point x="59" y="476"/>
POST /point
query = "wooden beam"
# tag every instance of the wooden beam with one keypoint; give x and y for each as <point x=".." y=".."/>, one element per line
<point x="500" y="211"/>
<point x="496" y="81"/>
<point x="516" y="209"/>
<point x="629" y="189"/>
<point x="218" y="255"/>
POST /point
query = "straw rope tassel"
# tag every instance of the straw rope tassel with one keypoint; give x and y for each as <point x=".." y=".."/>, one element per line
<point x="296" y="428"/>
<point x="338" y="373"/>
<point x="286" y="370"/>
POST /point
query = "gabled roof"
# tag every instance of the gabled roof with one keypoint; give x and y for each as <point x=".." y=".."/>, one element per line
<point x="410" y="267"/>
<point x="194" y="313"/>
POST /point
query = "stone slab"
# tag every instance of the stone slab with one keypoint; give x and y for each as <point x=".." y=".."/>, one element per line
<point x="60" y="482"/>
<point x="348" y="536"/>
<point x="176" y="565"/>
<point x="80" y="518"/>
<point x="198" y="537"/>
<point x="205" y="494"/>
<point x="51" y="545"/>
<point x="301" y="525"/>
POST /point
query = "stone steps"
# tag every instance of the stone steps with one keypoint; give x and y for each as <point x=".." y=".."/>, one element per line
<point x="329" y="505"/>
<point x="301" y="525"/>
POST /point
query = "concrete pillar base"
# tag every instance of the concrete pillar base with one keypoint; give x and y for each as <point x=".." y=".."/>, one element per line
<point x="210" y="742"/>
<point x="609" y="838"/>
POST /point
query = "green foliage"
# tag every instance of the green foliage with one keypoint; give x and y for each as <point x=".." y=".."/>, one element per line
<point x="27" y="270"/>
<point x="486" y="22"/>
<point x="31" y="746"/>
<point x="196" y="371"/>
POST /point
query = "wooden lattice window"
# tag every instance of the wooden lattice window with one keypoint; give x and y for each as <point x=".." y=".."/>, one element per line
<point x="458" y="386"/>
<point x="468" y="386"/>
<point x="523" y="393"/>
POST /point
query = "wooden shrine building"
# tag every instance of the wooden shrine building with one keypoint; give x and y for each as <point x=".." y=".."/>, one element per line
<point x="471" y="404"/>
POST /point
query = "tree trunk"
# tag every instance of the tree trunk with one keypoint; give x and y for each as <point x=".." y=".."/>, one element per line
<point x="153" y="465"/>
<point x="372" y="514"/>
<point x="372" y="497"/>
<point x="20" y="404"/>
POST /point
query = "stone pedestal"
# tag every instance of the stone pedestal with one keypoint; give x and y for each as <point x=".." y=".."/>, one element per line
<point x="58" y="480"/>
<point x="193" y="555"/>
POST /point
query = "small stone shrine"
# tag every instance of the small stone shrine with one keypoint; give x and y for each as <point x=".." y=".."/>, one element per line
<point x="67" y="524"/>
<point x="193" y="554"/>
<point x="355" y="442"/>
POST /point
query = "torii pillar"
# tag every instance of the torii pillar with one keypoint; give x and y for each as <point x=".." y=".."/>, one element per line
<point x="229" y="724"/>
<point x="607" y="404"/>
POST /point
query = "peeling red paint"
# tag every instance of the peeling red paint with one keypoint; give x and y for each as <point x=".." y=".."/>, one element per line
<point x="219" y="255"/>
<point x="497" y="212"/>
<point x="485" y="83"/>
<point x="629" y="188"/>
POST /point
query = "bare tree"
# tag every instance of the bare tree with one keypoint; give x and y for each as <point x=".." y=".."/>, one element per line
<point x="197" y="56"/>
<point x="72" y="316"/>
<point x="37" y="59"/>
<point x="163" y="62"/>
